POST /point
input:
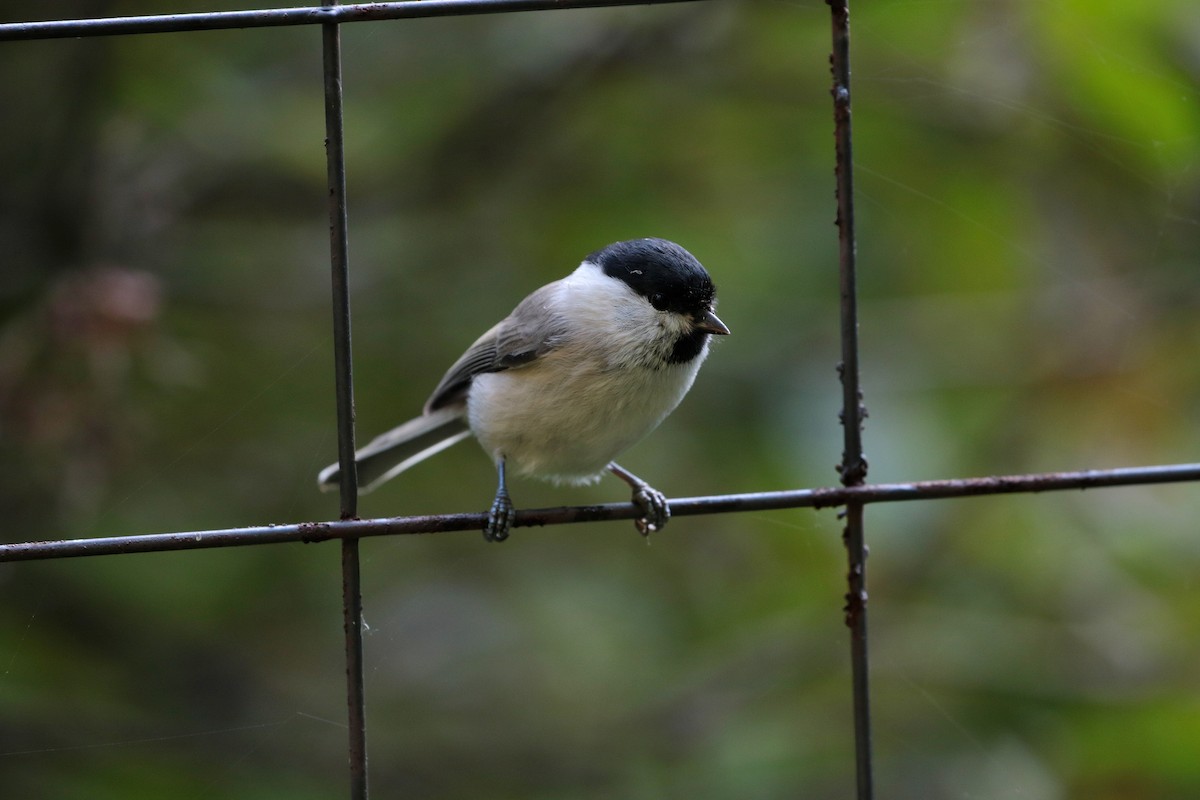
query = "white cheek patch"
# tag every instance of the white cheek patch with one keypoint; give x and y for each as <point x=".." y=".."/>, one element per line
<point x="607" y="385"/>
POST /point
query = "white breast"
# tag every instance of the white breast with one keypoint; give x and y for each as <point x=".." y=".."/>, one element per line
<point x="567" y="415"/>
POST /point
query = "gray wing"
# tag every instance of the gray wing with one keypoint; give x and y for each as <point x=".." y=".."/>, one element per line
<point x="526" y="334"/>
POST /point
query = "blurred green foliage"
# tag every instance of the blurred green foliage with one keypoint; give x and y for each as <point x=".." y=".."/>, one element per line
<point x="1029" y="200"/>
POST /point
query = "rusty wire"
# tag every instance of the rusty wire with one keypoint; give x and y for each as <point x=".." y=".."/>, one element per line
<point x="343" y="361"/>
<point x="829" y="497"/>
<point x="278" y="17"/>
<point x="853" y="467"/>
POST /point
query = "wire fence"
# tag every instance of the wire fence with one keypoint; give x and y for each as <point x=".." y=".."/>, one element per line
<point x="854" y="494"/>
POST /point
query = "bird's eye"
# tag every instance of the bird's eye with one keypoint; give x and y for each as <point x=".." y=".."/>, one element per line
<point x="659" y="301"/>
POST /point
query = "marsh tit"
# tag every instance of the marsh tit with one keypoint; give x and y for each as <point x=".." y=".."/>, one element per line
<point x="581" y="370"/>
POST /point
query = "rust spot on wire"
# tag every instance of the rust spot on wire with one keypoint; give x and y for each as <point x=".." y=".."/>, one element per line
<point x="313" y="532"/>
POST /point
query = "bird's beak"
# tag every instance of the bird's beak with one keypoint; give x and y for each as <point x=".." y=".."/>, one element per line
<point x="708" y="321"/>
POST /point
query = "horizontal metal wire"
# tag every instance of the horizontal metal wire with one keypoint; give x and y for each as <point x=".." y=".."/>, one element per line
<point x="689" y="506"/>
<point x="276" y="17"/>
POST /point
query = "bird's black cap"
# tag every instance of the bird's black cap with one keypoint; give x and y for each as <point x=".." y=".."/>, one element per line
<point x="661" y="271"/>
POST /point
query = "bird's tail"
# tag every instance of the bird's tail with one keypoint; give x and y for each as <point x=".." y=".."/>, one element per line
<point x="389" y="454"/>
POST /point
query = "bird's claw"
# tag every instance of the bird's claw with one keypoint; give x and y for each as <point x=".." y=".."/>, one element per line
<point x="500" y="519"/>
<point x="655" y="510"/>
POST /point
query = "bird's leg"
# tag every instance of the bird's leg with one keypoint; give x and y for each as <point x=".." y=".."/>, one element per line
<point x="501" y="515"/>
<point x="651" y="502"/>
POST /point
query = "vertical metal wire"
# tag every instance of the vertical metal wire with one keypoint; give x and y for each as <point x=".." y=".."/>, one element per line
<point x="339" y="261"/>
<point x="351" y="580"/>
<point x="853" y="468"/>
<point x="355" y="691"/>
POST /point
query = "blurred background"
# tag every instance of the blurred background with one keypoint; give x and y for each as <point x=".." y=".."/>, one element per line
<point x="1029" y="221"/>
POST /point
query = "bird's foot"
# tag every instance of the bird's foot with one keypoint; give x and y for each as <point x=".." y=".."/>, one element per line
<point x="648" y="500"/>
<point x="500" y="518"/>
<point x="653" y="505"/>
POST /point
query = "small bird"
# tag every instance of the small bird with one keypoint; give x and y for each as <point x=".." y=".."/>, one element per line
<point x="580" y="371"/>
